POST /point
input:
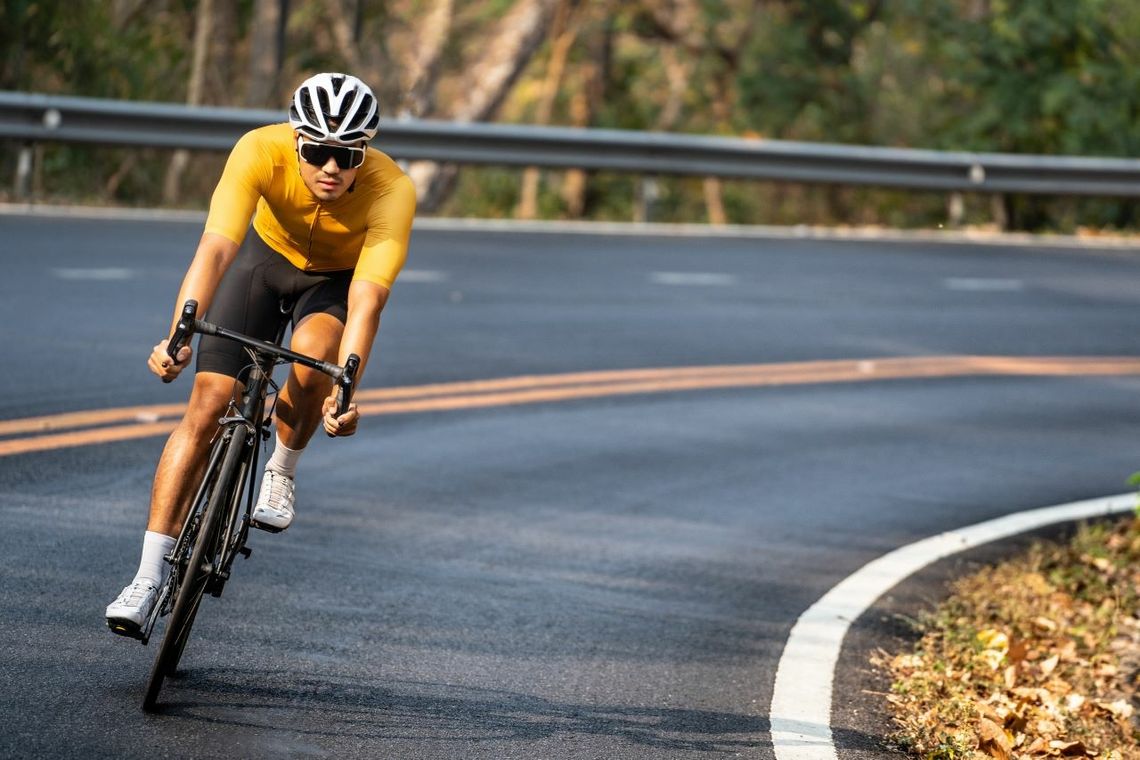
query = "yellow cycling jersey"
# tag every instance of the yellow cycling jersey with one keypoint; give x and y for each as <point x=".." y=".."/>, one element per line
<point x="366" y="229"/>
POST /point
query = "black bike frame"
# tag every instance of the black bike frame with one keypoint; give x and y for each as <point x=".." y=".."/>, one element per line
<point x="249" y="421"/>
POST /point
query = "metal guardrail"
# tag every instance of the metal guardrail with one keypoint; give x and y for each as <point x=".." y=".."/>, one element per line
<point x="31" y="117"/>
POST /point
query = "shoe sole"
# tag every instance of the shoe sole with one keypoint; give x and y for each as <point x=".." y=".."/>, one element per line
<point x="266" y="527"/>
<point x="128" y="628"/>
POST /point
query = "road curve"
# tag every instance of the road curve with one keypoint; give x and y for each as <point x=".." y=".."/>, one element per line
<point x="620" y="470"/>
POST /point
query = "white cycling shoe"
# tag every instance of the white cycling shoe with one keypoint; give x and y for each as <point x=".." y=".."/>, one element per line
<point x="275" y="503"/>
<point x="130" y="610"/>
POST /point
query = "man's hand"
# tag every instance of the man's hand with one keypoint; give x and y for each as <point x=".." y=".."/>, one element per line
<point x="342" y="425"/>
<point x="162" y="365"/>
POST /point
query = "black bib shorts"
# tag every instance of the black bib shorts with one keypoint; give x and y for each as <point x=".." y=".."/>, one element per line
<point x="249" y="301"/>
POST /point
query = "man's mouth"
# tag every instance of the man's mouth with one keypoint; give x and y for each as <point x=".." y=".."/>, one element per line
<point x="328" y="184"/>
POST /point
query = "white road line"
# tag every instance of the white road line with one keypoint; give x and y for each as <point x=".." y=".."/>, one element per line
<point x="801" y="700"/>
<point x="101" y="273"/>
<point x="423" y="275"/>
<point x="984" y="284"/>
<point x="700" y="279"/>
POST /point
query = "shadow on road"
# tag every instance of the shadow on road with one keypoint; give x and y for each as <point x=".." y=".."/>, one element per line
<point x="416" y="711"/>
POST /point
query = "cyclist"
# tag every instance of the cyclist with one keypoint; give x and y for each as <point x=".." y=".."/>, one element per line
<point x="331" y="221"/>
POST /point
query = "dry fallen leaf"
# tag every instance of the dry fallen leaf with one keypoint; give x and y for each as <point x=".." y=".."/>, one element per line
<point x="1061" y="680"/>
<point x="907" y="662"/>
<point x="991" y="638"/>
<point x="1118" y="709"/>
<point x="993" y="658"/>
<point x="990" y="712"/>
<point x="1036" y="583"/>
<point x="1033" y="696"/>
<point x="1070" y="749"/>
<point x="1100" y="563"/>
<point x="993" y="740"/>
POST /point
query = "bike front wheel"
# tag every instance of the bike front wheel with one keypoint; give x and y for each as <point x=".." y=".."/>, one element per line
<point x="207" y="545"/>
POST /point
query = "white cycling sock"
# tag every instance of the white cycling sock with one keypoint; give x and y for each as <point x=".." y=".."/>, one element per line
<point x="153" y="567"/>
<point x="284" y="460"/>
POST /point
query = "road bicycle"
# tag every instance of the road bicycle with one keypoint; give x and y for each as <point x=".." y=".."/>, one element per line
<point x="217" y="525"/>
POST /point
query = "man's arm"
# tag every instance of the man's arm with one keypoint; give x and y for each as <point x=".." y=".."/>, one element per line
<point x="214" y="255"/>
<point x="365" y="302"/>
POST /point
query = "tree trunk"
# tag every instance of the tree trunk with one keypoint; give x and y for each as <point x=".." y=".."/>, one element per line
<point x="267" y="28"/>
<point x="682" y="25"/>
<point x="202" y="30"/>
<point x="364" y="53"/>
<point x="714" y="201"/>
<point x="423" y="68"/>
<point x="519" y="34"/>
<point x="588" y="92"/>
<point x="219" y="86"/>
<point x="574" y="182"/>
<point x="125" y="12"/>
<point x="490" y="79"/>
<point x="564" y="32"/>
<point x="677" y="71"/>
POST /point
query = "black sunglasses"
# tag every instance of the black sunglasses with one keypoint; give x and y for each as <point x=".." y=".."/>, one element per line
<point x="318" y="154"/>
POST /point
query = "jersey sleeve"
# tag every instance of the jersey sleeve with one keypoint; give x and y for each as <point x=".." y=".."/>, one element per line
<point x="237" y="192"/>
<point x="389" y="229"/>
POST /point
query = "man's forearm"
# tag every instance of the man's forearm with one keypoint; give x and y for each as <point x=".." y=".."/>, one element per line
<point x="365" y="302"/>
<point x="213" y="257"/>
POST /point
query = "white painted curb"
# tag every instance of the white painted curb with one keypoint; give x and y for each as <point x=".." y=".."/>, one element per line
<point x="801" y="700"/>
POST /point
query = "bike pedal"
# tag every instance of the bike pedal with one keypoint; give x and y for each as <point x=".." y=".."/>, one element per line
<point x="124" y="628"/>
<point x="245" y="551"/>
<point x="264" y="527"/>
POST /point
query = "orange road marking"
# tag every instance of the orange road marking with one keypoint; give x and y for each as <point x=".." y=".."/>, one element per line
<point x="750" y="376"/>
<point x="84" y="437"/>
<point x="87" y="419"/>
<point x="474" y="394"/>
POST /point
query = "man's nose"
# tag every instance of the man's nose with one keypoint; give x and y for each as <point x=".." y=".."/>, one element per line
<point x="331" y="166"/>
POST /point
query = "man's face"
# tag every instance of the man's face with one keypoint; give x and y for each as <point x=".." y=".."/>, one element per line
<point x="327" y="180"/>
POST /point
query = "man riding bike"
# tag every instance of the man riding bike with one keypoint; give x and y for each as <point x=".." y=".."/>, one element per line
<point x="331" y="223"/>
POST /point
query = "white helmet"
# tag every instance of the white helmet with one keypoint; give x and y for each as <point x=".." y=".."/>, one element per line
<point x="335" y="108"/>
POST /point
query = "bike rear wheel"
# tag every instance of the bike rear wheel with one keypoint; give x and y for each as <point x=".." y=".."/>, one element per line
<point x="207" y="545"/>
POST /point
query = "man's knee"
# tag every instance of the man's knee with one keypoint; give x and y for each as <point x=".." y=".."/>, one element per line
<point x="318" y="335"/>
<point x="209" y="399"/>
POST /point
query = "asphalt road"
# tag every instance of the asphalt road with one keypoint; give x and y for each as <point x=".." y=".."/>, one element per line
<point x="609" y="577"/>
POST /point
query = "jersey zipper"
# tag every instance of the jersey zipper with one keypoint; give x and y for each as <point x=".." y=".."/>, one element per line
<point x="312" y="229"/>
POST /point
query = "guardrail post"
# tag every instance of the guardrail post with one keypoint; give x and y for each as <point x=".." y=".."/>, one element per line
<point x="23" y="171"/>
<point x="998" y="212"/>
<point x="646" y="195"/>
<point x="956" y="209"/>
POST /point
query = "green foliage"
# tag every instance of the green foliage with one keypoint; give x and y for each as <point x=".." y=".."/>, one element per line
<point x="1048" y="77"/>
<point x="88" y="49"/>
<point x="488" y="193"/>
<point x="1054" y="76"/>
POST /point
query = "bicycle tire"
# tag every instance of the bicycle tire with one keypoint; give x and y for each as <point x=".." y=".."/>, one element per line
<point x="221" y="541"/>
<point x="193" y="585"/>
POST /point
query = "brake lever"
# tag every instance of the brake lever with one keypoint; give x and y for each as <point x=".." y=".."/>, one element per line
<point x="183" y="332"/>
<point x="346" y="385"/>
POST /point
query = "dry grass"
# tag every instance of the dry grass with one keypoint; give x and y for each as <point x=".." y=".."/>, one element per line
<point x="1037" y="657"/>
